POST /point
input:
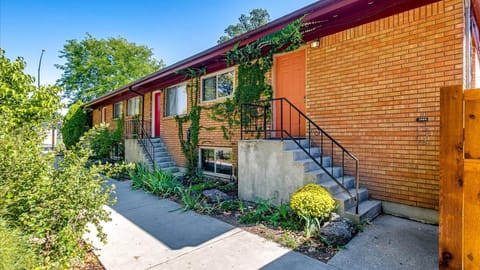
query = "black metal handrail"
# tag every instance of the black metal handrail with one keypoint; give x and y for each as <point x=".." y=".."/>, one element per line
<point x="291" y="123"/>
<point x="140" y="129"/>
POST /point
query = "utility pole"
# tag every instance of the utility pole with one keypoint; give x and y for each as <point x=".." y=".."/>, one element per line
<point x="39" y="66"/>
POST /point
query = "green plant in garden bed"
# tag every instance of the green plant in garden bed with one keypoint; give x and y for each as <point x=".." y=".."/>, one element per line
<point x="204" y="185"/>
<point x="191" y="200"/>
<point x="313" y="204"/>
<point x="266" y="213"/>
<point x="162" y="183"/>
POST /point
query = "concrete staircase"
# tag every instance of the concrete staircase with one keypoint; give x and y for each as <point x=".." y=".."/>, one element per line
<point x="163" y="160"/>
<point x="368" y="209"/>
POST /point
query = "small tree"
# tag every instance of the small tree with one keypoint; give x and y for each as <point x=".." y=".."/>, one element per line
<point x="74" y="125"/>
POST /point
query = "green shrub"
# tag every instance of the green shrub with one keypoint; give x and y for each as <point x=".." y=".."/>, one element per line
<point x="139" y="174"/>
<point x="190" y="199"/>
<point x="102" y="140"/>
<point x="15" y="249"/>
<point x="74" y="125"/>
<point x="52" y="205"/>
<point x="312" y="201"/>
<point x="204" y="185"/>
<point x="162" y="183"/>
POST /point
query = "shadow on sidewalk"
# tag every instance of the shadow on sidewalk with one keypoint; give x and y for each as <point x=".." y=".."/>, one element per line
<point x="164" y="219"/>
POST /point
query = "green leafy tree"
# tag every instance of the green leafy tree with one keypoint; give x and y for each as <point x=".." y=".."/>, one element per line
<point x="21" y="103"/>
<point x="94" y="67"/>
<point x="74" y="125"/>
<point x="256" y="18"/>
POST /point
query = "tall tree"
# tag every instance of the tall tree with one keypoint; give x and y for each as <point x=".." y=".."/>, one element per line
<point x="21" y="103"/>
<point x="94" y="67"/>
<point x="256" y="18"/>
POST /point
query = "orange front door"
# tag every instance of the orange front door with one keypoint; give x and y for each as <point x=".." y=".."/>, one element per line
<point x="290" y="84"/>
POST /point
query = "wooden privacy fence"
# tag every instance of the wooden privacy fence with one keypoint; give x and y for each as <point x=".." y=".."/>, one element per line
<point x="459" y="238"/>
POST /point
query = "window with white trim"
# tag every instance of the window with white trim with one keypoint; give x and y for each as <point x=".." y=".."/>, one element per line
<point x="133" y="106"/>
<point x="117" y="110"/>
<point x="176" y="100"/>
<point x="216" y="160"/>
<point x="218" y="86"/>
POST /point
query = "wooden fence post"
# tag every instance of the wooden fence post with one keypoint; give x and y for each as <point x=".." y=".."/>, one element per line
<point x="451" y="177"/>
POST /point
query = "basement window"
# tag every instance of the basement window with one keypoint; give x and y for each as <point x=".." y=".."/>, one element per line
<point x="117" y="110"/>
<point x="176" y="100"/>
<point x="217" y="161"/>
<point x="218" y="85"/>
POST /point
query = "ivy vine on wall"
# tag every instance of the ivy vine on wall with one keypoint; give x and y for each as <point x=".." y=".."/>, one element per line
<point x="189" y="145"/>
<point x="254" y="60"/>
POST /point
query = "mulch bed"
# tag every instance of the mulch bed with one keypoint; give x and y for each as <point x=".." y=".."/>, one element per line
<point x="312" y="247"/>
<point x="91" y="263"/>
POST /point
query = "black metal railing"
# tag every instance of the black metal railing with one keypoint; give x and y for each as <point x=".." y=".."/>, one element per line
<point x="280" y="119"/>
<point x="141" y="130"/>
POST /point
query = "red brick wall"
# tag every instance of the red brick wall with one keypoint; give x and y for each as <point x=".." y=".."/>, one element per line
<point x="366" y="86"/>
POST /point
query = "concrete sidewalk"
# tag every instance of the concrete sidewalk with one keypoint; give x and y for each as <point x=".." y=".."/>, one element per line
<point x="149" y="233"/>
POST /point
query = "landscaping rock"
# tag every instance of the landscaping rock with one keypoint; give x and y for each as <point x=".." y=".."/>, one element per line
<point x="337" y="231"/>
<point x="215" y="195"/>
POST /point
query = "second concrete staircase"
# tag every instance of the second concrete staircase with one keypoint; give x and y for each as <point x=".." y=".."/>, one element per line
<point x="368" y="209"/>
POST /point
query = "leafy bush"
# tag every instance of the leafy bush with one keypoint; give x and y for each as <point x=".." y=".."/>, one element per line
<point x="74" y="125"/>
<point x="228" y="187"/>
<point x="265" y="212"/>
<point x="162" y="183"/>
<point x="312" y="201"/>
<point x="49" y="201"/>
<point x="15" y="250"/>
<point x="102" y="140"/>
<point x="190" y="199"/>
<point x="52" y="205"/>
<point x="204" y="185"/>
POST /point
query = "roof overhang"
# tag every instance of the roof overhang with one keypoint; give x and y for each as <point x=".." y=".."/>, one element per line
<point x="328" y="17"/>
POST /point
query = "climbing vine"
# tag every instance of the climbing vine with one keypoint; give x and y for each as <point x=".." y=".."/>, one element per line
<point x="254" y="60"/>
<point x="189" y="145"/>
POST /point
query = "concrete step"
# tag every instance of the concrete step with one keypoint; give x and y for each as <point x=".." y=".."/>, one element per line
<point x="156" y="140"/>
<point x="367" y="211"/>
<point x="334" y="171"/>
<point x="299" y="154"/>
<point x="164" y="164"/>
<point x="159" y="154"/>
<point x="162" y="159"/>
<point x="344" y="201"/>
<point x="335" y="188"/>
<point x="311" y="165"/>
<point x="291" y="144"/>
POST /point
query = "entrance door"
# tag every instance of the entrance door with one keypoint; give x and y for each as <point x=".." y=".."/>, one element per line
<point x="290" y="84"/>
<point x="158" y="113"/>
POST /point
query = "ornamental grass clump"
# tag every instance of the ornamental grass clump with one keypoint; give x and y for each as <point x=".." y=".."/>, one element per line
<point x="312" y="201"/>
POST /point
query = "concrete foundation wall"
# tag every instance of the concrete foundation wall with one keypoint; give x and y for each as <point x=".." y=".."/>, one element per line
<point x="266" y="171"/>
<point x="133" y="152"/>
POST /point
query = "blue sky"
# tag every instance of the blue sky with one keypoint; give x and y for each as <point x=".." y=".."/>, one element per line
<point x="174" y="29"/>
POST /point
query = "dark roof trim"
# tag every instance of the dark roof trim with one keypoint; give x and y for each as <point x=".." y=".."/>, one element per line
<point x="352" y="13"/>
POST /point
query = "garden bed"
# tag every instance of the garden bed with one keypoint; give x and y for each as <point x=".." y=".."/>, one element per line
<point x="280" y="224"/>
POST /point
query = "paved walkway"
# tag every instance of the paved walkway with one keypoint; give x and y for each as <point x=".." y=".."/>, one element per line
<point x="150" y="233"/>
<point x="147" y="233"/>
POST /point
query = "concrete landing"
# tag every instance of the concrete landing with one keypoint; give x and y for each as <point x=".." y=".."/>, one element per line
<point x="391" y="243"/>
